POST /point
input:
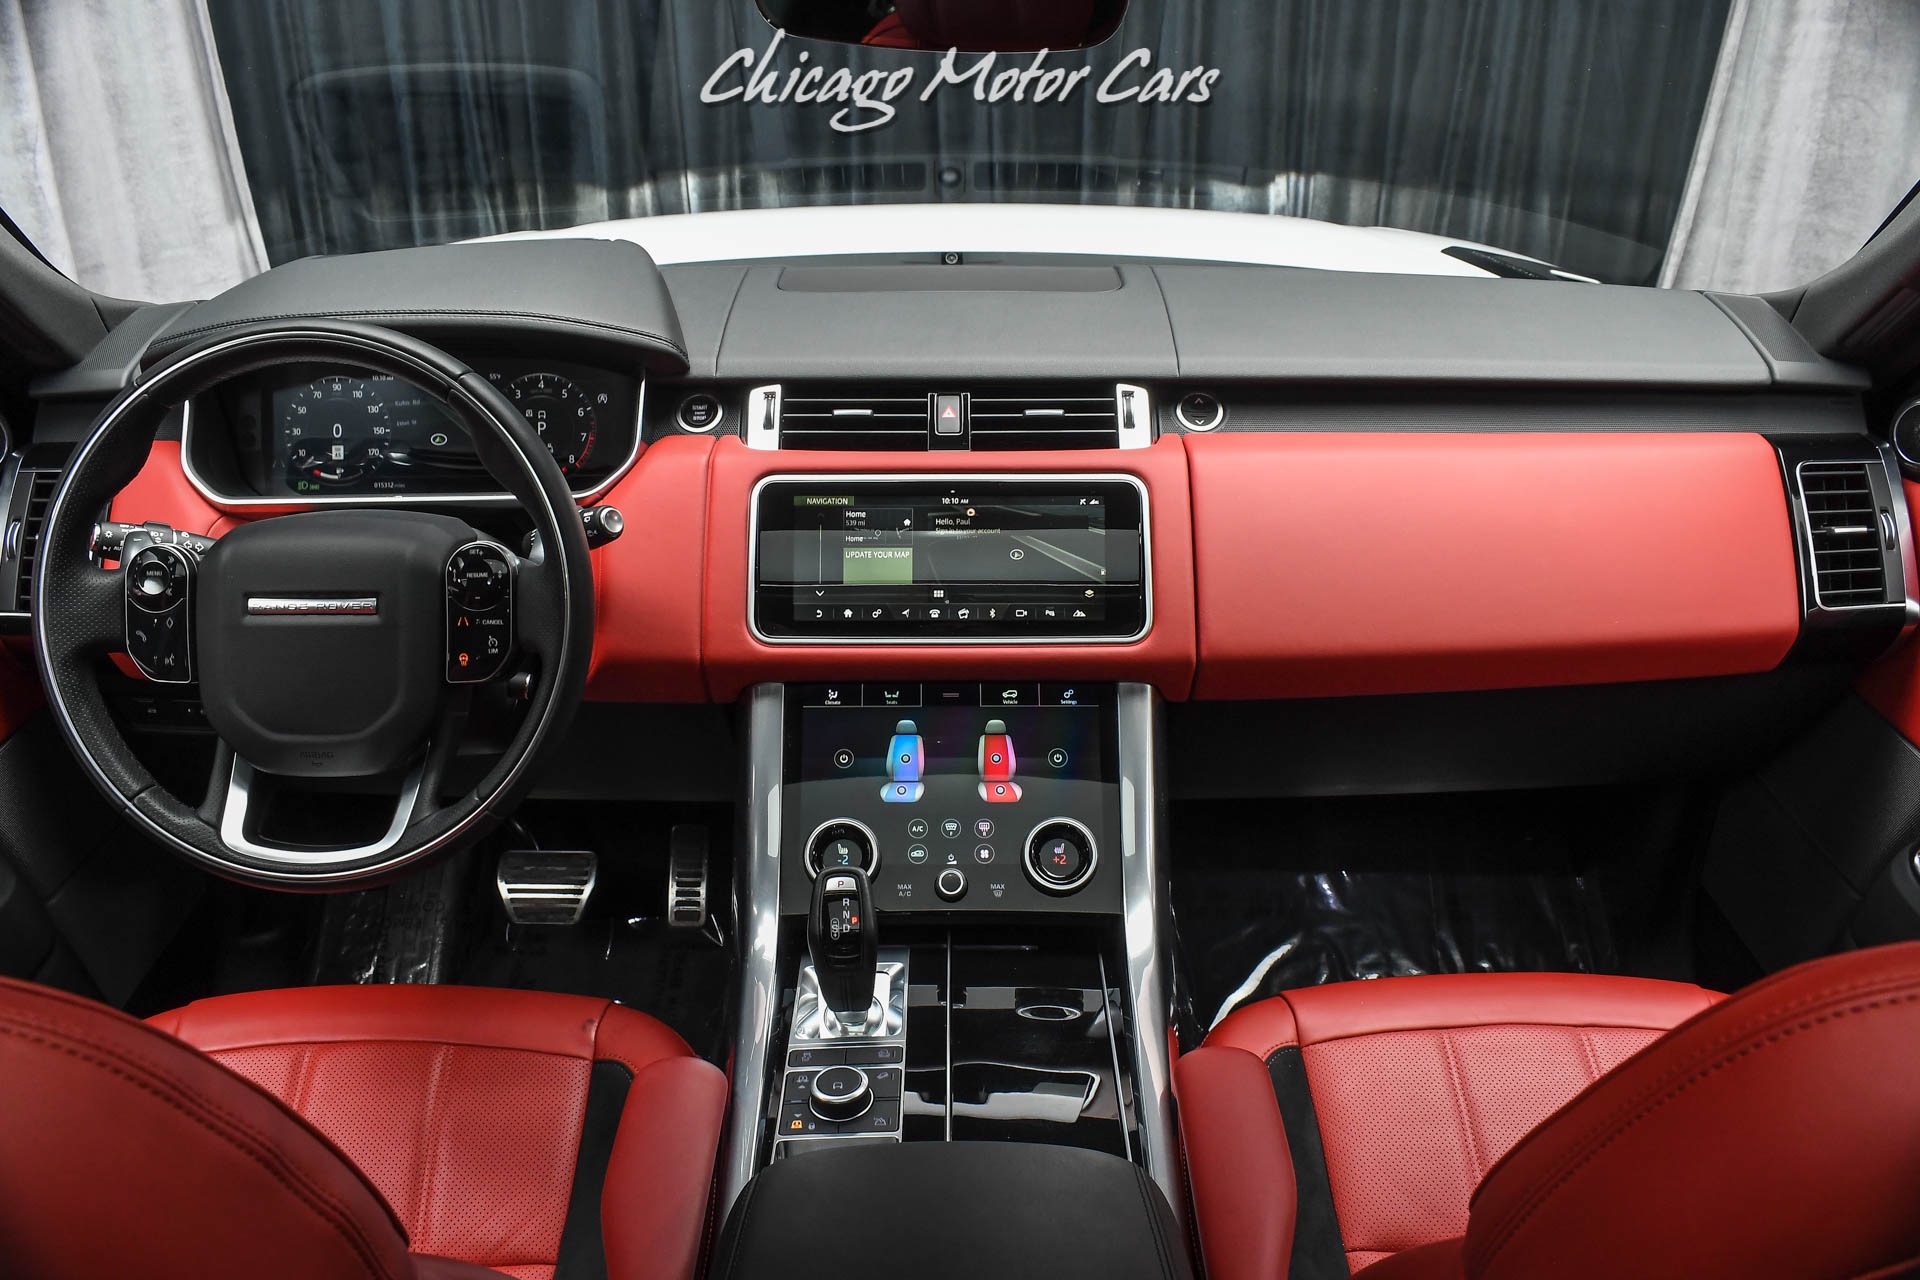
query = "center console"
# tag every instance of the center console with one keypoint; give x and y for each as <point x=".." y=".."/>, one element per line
<point x="980" y="858"/>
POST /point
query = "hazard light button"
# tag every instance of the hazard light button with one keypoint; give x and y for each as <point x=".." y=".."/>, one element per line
<point x="949" y="415"/>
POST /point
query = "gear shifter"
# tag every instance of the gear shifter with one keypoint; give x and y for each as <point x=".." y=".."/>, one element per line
<point x="840" y="938"/>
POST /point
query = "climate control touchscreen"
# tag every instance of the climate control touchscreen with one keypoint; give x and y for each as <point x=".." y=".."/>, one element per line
<point x="950" y="560"/>
<point x="992" y="796"/>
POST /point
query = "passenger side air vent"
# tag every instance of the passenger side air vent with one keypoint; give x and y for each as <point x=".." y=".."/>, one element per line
<point x="24" y="531"/>
<point x="834" y="421"/>
<point x="1847" y="534"/>
<point x="1041" y="421"/>
<point x="921" y="418"/>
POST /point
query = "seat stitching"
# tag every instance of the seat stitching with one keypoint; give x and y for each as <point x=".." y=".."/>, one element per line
<point x="1460" y="1100"/>
<point x="1586" y="1047"/>
<point x="117" y="1063"/>
<point x="1539" y="1200"/>
<point x="426" y="1151"/>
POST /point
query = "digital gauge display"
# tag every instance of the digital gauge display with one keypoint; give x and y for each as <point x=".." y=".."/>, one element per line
<point x="351" y="433"/>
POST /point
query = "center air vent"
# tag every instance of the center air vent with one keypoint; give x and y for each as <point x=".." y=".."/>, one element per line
<point x="848" y="421"/>
<point x="1848" y="534"/>
<point x="1040" y="421"/>
<point x="24" y="532"/>
<point x="983" y="418"/>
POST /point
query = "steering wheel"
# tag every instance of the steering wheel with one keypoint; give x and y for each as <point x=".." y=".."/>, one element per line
<point x="338" y="643"/>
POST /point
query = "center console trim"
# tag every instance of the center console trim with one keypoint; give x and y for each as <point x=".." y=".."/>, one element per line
<point x="758" y="913"/>
<point x="1146" y="923"/>
<point x="1134" y="482"/>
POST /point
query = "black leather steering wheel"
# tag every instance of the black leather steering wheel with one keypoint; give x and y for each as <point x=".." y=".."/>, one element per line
<point x="356" y="607"/>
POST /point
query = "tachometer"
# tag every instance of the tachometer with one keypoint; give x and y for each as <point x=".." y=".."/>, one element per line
<point x="561" y="412"/>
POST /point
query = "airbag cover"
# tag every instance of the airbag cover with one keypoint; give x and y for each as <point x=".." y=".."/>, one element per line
<point x="316" y="693"/>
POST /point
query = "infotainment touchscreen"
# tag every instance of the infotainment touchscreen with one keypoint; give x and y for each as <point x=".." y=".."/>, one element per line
<point x="950" y="560"/>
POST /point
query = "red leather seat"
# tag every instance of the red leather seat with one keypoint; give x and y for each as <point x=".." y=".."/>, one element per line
<point x="1493" y="1126"/>
<point x="394" y="1132"/>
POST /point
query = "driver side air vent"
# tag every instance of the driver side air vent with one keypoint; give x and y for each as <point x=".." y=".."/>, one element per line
<point x="33" y="496"/>
<point x="1847" y="533"/>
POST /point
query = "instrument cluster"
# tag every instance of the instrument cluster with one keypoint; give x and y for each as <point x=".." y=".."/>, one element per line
<point x="325" y="434"/>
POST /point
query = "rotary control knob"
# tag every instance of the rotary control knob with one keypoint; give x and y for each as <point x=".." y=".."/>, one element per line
<point x="840" y="1093"/>
<point x="842" y="843"/>
<point x="951" y="884"/>
<point x="1060" y="856"/>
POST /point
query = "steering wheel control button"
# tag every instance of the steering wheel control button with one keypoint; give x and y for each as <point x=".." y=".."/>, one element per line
<point x="1199" y="411"/>
<point x="159" y="590"/>
<point x="842" y="843"/>
<point x="840" y="1093"/>
<point x="700" y="413"/>
<point x="479" y="576"/>
<point x="952" y="884"/>
<point x="1060" y="856"/>
<point x="479" y="612"/>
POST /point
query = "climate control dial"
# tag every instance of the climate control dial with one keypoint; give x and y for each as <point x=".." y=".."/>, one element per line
<point x="1060" y="856"/>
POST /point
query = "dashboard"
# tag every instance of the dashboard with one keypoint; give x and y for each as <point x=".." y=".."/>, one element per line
<point x="313" y="434"/>
<point x="1309" y="485"/>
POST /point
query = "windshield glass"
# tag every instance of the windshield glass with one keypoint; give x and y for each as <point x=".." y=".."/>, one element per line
<point x="166" y="151"/>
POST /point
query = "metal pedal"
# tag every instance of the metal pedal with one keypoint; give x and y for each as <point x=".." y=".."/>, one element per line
<point x="687" y="877"/>
<point x="546" y="886"/>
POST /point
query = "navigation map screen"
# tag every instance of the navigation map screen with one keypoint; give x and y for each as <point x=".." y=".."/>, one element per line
<point x="991" y="559"/>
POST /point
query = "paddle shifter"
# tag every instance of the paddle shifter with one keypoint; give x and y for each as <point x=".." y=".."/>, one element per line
<point x="841" y="940"/>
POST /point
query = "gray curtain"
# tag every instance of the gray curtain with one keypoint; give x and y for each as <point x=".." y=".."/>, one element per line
<point x="118" y="160"/>
<point x="1561" y="130"/>
<point x="1811" y="137"/>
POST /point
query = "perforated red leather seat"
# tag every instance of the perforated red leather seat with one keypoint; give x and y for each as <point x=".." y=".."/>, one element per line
<point x="352" y="1131"/>
<point x="1532" y="1125"/>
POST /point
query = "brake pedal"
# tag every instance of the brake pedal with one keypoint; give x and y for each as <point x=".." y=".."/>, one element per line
<point x="687" y="877"/>
<point x="546" y="886"/>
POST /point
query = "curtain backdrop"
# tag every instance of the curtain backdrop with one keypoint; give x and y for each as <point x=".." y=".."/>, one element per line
<point x="1812" y="137"/>
<point x="117" y="159"/>
<point x="1561" y="130"/>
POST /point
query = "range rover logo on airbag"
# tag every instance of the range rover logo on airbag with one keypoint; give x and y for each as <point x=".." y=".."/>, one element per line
<point x="308" y="606"/>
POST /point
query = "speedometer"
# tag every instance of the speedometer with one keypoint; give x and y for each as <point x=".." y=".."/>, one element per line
<point x="561" y="412"/>
<point x="332" y="430"/>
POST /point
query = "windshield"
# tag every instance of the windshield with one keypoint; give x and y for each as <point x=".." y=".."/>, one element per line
<point x="161" y="152"/>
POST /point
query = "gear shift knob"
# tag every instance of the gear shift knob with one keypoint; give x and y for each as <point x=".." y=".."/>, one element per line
<point x="841" y="940"/>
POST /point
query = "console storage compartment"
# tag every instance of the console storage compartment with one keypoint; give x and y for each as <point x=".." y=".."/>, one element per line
<point x="843" y="1211"/>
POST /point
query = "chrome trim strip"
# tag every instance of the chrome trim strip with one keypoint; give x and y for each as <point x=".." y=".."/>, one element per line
<point x="950" y="477"/>
<point x="233" y="823"/>
<point x="1132" y="416"/>
<point x="1146" y="925"/>
<point x="762" y="432"/>
<point x="486" y="499"/>
<point x="757" y="887"/>
<point x="307" y="606"/>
